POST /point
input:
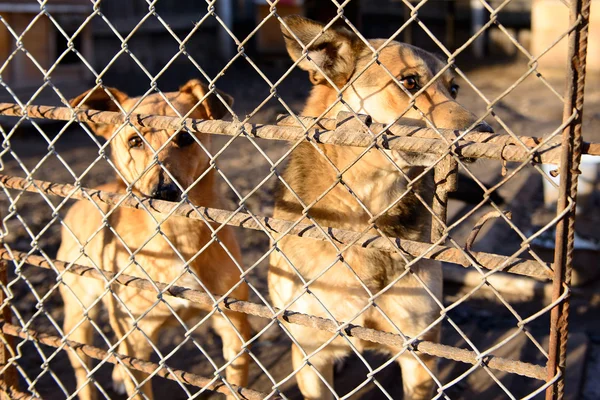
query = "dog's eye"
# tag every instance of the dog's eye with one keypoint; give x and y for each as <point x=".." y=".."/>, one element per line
<point x="135" y="141"/>
<point x="410" y="83"/>
<point x="184" y="139"/>
<point x="454" y="90"/>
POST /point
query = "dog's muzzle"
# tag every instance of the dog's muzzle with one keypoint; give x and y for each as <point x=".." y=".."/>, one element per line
<point x="168" y="192"/>
<point x="483" y="127"/>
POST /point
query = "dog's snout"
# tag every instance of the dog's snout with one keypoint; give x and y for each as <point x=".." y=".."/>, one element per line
<point x="168" y="192"/>
<point x="484" y="127"/>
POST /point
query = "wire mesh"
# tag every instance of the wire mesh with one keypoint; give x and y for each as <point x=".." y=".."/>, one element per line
<point x="352" y="213"/>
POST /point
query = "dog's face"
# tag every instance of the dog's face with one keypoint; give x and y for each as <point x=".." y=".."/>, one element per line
<point x="137" y="157"/>
<point x="376" y="86"/>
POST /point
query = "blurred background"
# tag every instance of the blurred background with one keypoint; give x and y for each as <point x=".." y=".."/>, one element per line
<point x="130" y="46"/>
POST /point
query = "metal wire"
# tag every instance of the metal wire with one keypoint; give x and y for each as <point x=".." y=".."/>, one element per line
<point x="479" y="145"/>
<point x="274" y="225"/>
<point x="349" y="128"/>
<point x="203" y="299"/>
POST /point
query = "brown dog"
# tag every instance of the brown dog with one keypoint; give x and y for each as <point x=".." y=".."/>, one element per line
<point x="162" y="257"/>
<point x="345" y="280"/>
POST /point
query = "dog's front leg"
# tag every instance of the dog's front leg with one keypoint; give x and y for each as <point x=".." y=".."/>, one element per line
<point x="135" y="344"/>
<point x="79" y="294"/>
<point x="237" y="372"/>
<point x="313" y="386"/>
<point x="416" y="380"/>
<point x="82" y="333"/>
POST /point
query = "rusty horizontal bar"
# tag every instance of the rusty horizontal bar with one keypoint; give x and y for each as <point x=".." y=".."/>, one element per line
<point x="131" y="362"/>
<point x="246" y="307"/>
<point x="400" y="138"/>
<point x="278" y="226"/>
<point x="418" y="129"/>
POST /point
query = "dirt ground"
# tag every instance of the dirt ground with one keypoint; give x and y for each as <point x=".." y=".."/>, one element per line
<point x="530" y="109"/>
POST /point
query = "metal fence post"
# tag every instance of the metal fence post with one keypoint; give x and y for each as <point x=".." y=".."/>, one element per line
<point x="571" y="144"/>
<point x="8" y="380"/>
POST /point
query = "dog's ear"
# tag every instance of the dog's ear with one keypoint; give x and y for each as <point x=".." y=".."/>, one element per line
<point x="213" y="106"/>
<point x="334" y="52"/>
<point x="99" y="99"/>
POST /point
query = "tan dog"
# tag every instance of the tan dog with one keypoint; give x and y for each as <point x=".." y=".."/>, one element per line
<point x="185" y="162"/>
<point x="344" y="282"/>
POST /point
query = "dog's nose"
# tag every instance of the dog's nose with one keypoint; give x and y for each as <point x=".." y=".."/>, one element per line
<point x="169" y="192"/>
<point x="483" y="127"/>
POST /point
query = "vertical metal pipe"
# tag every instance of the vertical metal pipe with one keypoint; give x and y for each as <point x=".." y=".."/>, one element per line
<point x="225" y="11"/>
<point x="408" y="31"/>
<point x="451" y="24"/>
<point x="569" y="169"/>
<point x="8" y="380"/>
<point x="478" y="19"/>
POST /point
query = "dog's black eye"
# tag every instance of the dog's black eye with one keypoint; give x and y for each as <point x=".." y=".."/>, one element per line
<point x="184" y="139"/>
<point x="454" y="90"/>
<point x="410" y="83"/>
<point x="135" y="141"/>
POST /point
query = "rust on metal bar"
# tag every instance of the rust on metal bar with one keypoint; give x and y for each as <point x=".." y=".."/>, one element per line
<point x="402" y="137"/>
<point x="246" y="307"/>
<point x="244" y="220"/>
<point x="418" y="129"/>
<point x="9" y="379"/>
<point x="480" y="223"/>
<point x="571" y="146"/>
<point x="445" y="178"/>
<point x="131" y="362"/>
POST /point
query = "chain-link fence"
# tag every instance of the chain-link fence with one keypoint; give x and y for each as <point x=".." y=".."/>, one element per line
<point x="343" y="229"/>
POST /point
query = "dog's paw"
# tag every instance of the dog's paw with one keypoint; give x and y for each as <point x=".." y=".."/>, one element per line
<point x="119" y="388"/>
<point x="118" y="384"/>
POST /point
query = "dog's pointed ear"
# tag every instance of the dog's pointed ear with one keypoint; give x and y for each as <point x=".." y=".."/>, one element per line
<point x="213" y="106"/>
<point x="99" y="99"/>
<point x="334" y="52"/>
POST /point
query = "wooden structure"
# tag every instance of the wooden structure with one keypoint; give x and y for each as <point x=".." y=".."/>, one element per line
<point x="44" y="42"/>
<point x="549" y="21"/>
<point x="269" y="39"/>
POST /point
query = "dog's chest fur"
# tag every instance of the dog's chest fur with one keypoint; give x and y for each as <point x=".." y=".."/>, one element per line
<point x="338" y="205"/>
<point x="341" y="201"/>
<point x="161" y="256"/>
